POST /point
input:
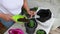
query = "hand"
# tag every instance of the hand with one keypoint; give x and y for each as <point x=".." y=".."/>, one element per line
<point x="31" y="13"/>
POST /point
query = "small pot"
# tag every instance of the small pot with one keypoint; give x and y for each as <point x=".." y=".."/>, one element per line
<point x="29" y="29"/>
<point x="41" y="31"/>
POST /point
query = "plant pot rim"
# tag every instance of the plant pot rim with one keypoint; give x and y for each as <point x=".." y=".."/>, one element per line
<point x="32" y="27"/>
<point x="41" y="30"/>
<point x="46" y="17"/>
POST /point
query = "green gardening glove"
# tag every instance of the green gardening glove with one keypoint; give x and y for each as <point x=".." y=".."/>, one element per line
<point x="16" y="17"/>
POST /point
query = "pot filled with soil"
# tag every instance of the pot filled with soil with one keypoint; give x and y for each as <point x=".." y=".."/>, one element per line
<point x="31" y="26"/>
<point x="45" y="14"/>
<point x="40" y="31"/>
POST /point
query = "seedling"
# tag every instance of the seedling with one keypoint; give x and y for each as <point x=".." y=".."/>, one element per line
<point x="31" y="24"/>
<point x="40" y="32"/>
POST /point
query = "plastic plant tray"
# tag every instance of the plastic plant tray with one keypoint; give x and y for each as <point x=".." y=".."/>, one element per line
<point x="46" y="25"/>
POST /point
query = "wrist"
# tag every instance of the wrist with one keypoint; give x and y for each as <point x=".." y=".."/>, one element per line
<point x="28" y="10"/>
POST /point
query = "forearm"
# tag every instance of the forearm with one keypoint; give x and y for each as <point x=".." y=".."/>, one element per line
<point x="26" y="5"/>
<point x="2" y="15"/>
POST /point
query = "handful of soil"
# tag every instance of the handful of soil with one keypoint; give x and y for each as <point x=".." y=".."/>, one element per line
<point x="23" y="20"/>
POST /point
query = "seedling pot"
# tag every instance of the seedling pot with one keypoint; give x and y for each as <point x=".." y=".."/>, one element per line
<point x="31" y="26"/>
<point x="40" y="31"/>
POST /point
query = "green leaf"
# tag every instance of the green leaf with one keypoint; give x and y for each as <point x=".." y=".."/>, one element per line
<point x="31" y="24"/>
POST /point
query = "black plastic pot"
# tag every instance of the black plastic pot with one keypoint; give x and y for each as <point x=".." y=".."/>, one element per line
<point x="45" y="14"/>
<point x="40" y="31"/>
<point x="29" y="29"/>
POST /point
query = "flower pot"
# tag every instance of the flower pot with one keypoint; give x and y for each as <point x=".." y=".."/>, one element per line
<point x="45" y="14"/>
<point x="40" y="31"/>
<point x="31" y="26"/>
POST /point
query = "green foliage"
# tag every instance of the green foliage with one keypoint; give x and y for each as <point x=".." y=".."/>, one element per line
<point x="41" y="32"/>
<point x="31" y="24"/>
<point x="34" y="9"/>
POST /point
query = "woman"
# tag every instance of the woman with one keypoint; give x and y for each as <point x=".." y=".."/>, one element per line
<point x="13" y="7"/>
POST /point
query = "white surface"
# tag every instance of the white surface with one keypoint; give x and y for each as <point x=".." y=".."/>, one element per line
<point x="56" y="23"/>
